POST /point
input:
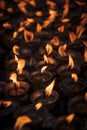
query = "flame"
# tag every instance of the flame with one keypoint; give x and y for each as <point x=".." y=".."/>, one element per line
<point x="80" y="29"/>
<point x="62" y="49"/>
<point x="28" y="36"/>
<point x="49" y="49"/>
<point x="7" y="103"/>
<point x="49" y="88"/>
<point x="61" y="29"/>
<point x="15" y="49"/>
<point x="43" y="69"/>
<point x="22" y="6"/>
<point x="71" y="62"/>
<point x="10" y="10"/>
<point x="65" y="20"/>
<point x="30" y="20"/>
<point x="21" y="28"/>
<point x="16" y="58"/>
<point x="38" y="106"/>
<point x="72" y="36"/>
<point x="86" y="96"/>
<point x="6" y="25"/>
<point x="39" y="13"/>
<point x="45" y="58"/>
<point x="74" y="76"/>
<point x="21" y="121"/>
<point x="21" y="65"/>
<point x="55" y="41"/>
<point x="32" y="2"/>
<point x="39" y="27"/>
<point x="85" y="54"/>
<point x="66" y="8"/>
<point x="70" y="118"/>
<point x="15" y="35"/>
<point x="13" y="77"/>
<point x="50" y="60"/>
<point x="84" y="19"/>
<point x="51" y="4"/>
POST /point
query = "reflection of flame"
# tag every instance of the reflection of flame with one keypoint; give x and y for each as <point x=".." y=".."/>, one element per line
<point x="21" y="29"/>
<point x="6" y="25"/>
<point x="49" y="88"/>
<point x="16" y="58"/>
<point x="50" y="60"/>
<point x="70" y="118"/>
<point x="39" y="27"/>
<point x="15" y="49"/>
<point x="55" y="41"/>
<point x="66" y="8"/>
<point x="72" y="36"/>
<point x="65" y="20"/>
<point x="79" y="31"/>
<point x="38" y="13"/>
<point x="85" y="43"/>
<point x="85" y="54"/>
<point x="71" y="62"/>
<point x="15" y="35"/>
<point x="74" y="76"/>
<point x="84" y="19"/>
<point x="62" y="49"/>
<point x="7" y="103"/>
<point x="32" y="2"/>
<point x="21" y="65"/>
<point x="43" y="69"/>
<point x="10" y="10"/>
<point x="28" y="35"/>
<point x="22" y="6"/>
<point x="49" y="49"/>
<point x="13" y="77"/>
<point x="21" y="121"/>
<point x="61" y="29"/>
<point x="38" y="106"/>
<point x="86" y="96"/>
<point x="45" y="58"/>
<point x="51" y="4"/>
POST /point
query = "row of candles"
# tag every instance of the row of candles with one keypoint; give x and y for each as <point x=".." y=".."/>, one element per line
<point x="44" y="82"/>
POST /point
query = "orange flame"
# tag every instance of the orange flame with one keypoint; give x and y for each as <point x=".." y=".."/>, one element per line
<point x="66" y="8"/>
<point x="61" y="29"/>
<point x="70" y="118"/>
<point x="28" y="36"/>
<point x="49" y="49"/>
<point x="39" y="13"/>
<point x="74" y="76"/>
<point x="21" y="121"/>
<point x="86" y="96"/>
<point x="45" y="59"/>
<point x="79" y="31"/>
<point x="62" y="49"/>
<point x="22" y="6"/>
<point x="50" y="60"/>
<point x="51" y="4"/>
<point x="6" y="25"/>
<point x="15" y="49"/>
<point x="21" y="29"/>
<point x="32" y="2"/>
<point x="85" y="54"/>
<point x="13" y="77"/>
<point x="15" y="35"/>
<point x="43" y="69"/>
<point x="71" y="62"/>
<point x="72" y="36"/>
<point x="49" y="88"/>
<point x="21" y="65"/>
<point x="55" y="41"/>
<point x="39" y="28"/>
<point x="7" y="103"/>
<point x="16" y="58"/>
<point x="38" y="106"/>
<point x="65" y="20"/>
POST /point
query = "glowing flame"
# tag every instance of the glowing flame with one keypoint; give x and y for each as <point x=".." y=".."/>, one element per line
<point x="71" y="62"/>
<point x="6" y="25"/>
<point x="70" y="118"/>
<point x="50" y="60"/>
<point x="65" y="20"/>
<point x="39" y="27"/>
<point x="51" y="4"/>
<point x="55" y="41"/>
<point x="45" y="58"/>
<point x="38" y="106"/>
<point x="7" y="103"/>
<point x="39" y="13"/>
<point x="85" y="54"/>
<point x="28" y="36"/>
<point x="72" y="36"/>
<point x="49" y="88"/>
<point x="21" y="121"/>
<point x="32" y="2"/>
<point x="21" y="65"/>
<point x="61" y="29"/>
<point x="66" y="8"/>
<point x="62" y="49"/>
<point x="86" y="96"/>
<point x="74" y="76"/>
<point x="22" y="6"/>
<point x="16" y="58"/>
<point x="49" y="49"/>
<point x="13" y="77"/>
<point x="15" y="49"/>
<point x="15" y="35"/>
<point x="21" y="29"/>
<point x="43" y="69"/>
<point x="79" y="31"/>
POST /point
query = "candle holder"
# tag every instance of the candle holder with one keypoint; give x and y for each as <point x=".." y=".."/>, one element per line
<point x="18" y="93"/>
<point x="71" y="88"/>
<point x="40" y="80"/>
<point x="48" y="101"/>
